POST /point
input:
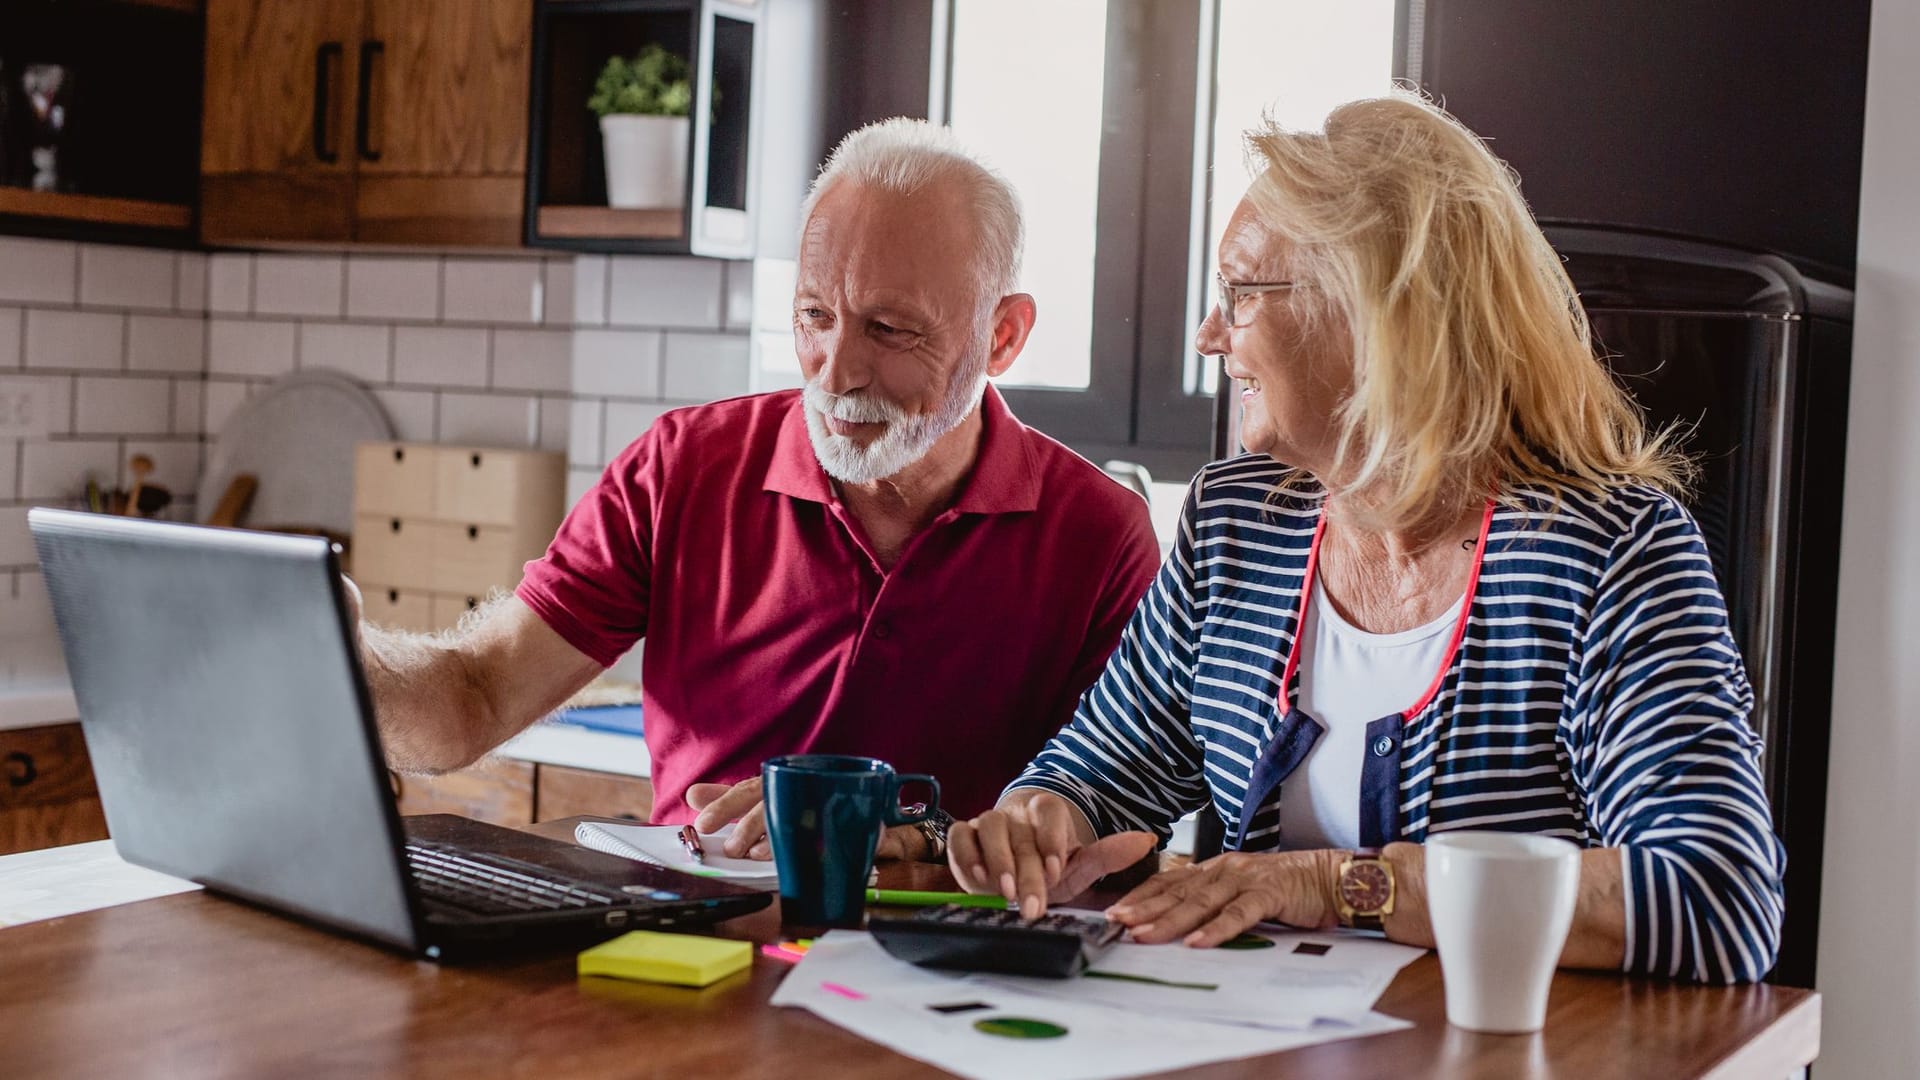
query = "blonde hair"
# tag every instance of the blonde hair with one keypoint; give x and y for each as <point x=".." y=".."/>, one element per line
<point x="904" y="155"/>
<point x="1473" y="371"/>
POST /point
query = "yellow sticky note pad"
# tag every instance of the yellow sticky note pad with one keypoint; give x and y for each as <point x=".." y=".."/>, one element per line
<point x="680" y="959"/>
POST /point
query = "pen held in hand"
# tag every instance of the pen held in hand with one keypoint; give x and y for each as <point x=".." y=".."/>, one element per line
<point x="690" y="839"/>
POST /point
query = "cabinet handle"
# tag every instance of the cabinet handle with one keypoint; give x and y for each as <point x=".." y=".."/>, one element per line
<point x="363" y="120"/>
<point x="21" y="770"/>
<point x="325" y="59"/>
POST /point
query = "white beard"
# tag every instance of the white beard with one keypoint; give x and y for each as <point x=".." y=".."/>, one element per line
<point x="905" y="440"/>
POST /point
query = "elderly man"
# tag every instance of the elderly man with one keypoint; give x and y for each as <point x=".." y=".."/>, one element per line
<point x="887" y="563"/>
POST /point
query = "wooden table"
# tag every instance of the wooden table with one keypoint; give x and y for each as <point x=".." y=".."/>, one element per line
<point x="195" y="985"/>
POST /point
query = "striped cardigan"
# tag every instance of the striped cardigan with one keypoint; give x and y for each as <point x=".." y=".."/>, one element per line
<point x="1596" y="695"/>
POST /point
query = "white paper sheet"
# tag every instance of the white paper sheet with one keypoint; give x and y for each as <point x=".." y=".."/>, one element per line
<point x="80" y="877"/>
<point x="1337" y="975"/>
<point x="660" y="844"/>
<point x="846" y="978"/>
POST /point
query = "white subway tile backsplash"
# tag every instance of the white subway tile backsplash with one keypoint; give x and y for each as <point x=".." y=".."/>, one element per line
<point x="9" y="468"/>
<point x="359" y="351"/>
<point x="189" y="406"/>
<point x="494" y="290"/>
<point x="583" y="432"/>
<point x="126" y="277"/>
<point x="123" y="406"/>
<point x="38" y="271"/>
<point x="579" y="482"/>
<point x="489" y="419"/>
<point x="412" y="413"/>
<point x="664" y="291"/>
<point x="76" y="339"/>
<point x="577" y="291"/>
<point x="222" y="399"/>
<point x="616" y="363"/>
<point x="626" y="422"/>
<point x="166" y="343"/>
<point x="190" y="281"/>
<point x="384" y="287"/>
<point x="244" y="347"/>
<point x="229" y="283"/>
<point x="440" y="356"/>
<point x="176" y="464"/>
<point x="31" y="604"/>
<point x="556" y="424"/>
<point x="703" y="367"/>
<point x="12" y="325"/>
<point x="58" y="470"/>
<point x="299" y="285"/>
<point x="54" y="415"/>
<point x="532" y="359"/>
<point x="16" y="543"/>
<point x="739" y="305"/>
<point x="773" y="283"/>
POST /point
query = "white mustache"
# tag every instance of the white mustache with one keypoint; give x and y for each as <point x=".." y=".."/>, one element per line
<point x="851" y="408"/>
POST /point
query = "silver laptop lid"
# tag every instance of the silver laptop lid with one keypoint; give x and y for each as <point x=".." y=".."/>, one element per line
<point x="222" y="701"/>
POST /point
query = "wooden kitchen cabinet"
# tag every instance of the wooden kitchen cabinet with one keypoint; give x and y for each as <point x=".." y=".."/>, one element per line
<point x="381" y="121"/>
<point x="498" y="790"/>
<point x="507" y="791"/>
<point x="47" y="796"/>
<point x="276" y="160"/>
<point x="446" y="149"/>
<point x="562" y="792"/>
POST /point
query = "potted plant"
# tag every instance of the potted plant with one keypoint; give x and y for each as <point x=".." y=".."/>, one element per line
<point x="642" y="104"/>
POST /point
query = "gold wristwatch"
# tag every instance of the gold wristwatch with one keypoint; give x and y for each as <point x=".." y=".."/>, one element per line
<point x="1364" y="891"/>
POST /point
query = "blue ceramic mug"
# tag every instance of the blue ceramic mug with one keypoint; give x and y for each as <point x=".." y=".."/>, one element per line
<point x="824" y="816"/>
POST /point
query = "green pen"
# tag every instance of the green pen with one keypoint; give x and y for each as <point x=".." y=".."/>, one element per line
<point x="916" y="898"/>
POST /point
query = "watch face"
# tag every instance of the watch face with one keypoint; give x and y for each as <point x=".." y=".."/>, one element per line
<point x="1365" y="886"/>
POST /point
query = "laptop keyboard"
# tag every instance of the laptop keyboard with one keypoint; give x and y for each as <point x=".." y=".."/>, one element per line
<point x="491" y="885"/>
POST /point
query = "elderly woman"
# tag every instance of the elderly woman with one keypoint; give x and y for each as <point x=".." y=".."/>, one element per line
<point x="1449" y="588"/>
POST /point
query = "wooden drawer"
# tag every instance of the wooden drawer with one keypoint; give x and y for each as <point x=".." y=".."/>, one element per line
<point x="470" y="559"/>
<point x="483" y="486"/>
<point x="47" y="796"/>
<point x="447" y="609"/>
<point x="497" y="790"/>
<point x="394" y="479"/>
<point x="564" y="792"/>
<point x="400" y="609"/>
<point x="392" y="551"/>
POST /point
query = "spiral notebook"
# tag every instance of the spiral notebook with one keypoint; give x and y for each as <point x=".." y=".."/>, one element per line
<point x="660" y="845"/>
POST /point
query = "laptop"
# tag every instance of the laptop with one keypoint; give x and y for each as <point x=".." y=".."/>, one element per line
<point x="233" y="742"/>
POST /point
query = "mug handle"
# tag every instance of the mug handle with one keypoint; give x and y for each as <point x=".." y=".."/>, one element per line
<point x="896" y="814"/>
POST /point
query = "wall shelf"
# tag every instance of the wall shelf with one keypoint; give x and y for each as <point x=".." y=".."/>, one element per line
<point x="94" y="209"/>
<point x="605" y="221"/>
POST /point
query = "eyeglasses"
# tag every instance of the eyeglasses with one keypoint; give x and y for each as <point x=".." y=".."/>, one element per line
<point x="1231" y="293"/>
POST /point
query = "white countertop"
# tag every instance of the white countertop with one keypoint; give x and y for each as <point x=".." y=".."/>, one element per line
<point x="579" y="748"/>
<point x="67" y="880"/>
<point x="33" y="683"/>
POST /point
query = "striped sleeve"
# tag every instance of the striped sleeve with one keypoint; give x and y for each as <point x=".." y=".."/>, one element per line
<point x="1129" y="759"/>
<point x="1668" y="764"/>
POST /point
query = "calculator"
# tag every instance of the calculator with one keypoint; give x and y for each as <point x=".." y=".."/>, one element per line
<point x="959" y="938"/>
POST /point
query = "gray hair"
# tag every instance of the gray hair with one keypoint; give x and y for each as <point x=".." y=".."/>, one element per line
<point x="904" y="155"/>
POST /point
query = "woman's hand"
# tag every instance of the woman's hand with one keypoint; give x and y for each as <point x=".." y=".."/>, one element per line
<point x="1217" y="900"/>
<point x="1034" y="848"/>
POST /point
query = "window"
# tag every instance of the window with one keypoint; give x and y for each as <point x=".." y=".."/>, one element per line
<point x="1118" y="121"/>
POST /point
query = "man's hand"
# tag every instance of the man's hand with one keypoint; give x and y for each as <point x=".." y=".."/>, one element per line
<point x="1035" y="848"/>
<point x="740" y="803"/>
<point x="720" y="803"/>
<point x="1215" y="901"/>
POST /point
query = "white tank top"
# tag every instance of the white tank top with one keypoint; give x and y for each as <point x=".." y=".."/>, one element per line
<point x="1348" y="679"/>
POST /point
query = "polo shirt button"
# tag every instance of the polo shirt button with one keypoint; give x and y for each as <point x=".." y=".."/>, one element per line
<point x="1382" y="746"/>
<point x="882" y="630"/>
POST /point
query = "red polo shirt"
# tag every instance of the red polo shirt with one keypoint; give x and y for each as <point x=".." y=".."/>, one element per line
<point x="771" y="628"/>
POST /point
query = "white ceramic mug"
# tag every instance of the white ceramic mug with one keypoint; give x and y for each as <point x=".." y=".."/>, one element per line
<point x="1500" y="904"/>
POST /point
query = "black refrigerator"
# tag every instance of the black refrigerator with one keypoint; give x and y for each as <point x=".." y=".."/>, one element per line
<point x="1751" y="351"/>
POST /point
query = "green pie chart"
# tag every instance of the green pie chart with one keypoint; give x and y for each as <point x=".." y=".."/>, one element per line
<point x="1016" y="1027"/>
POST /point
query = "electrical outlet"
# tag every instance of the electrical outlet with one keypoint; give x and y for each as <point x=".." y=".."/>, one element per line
<point x="23" y="408"/>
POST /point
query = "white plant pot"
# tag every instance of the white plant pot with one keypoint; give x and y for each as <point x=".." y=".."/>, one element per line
<point x="646" y="161"/>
